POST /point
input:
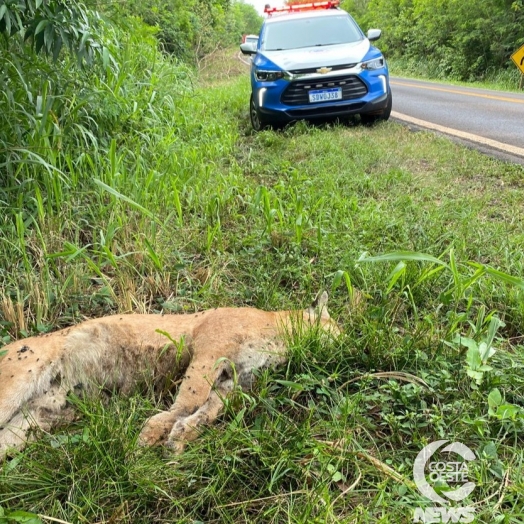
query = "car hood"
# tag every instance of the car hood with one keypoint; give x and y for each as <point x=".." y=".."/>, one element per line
<point x="307" y="57"/>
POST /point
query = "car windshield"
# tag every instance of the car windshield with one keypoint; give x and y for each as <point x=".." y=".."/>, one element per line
<point x="310" y="32"/>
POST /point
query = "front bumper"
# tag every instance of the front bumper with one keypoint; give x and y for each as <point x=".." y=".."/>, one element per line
<point x="371" y="97"/>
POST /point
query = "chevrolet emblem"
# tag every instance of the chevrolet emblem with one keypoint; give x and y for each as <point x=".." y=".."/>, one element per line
<point x="324" y="70"/>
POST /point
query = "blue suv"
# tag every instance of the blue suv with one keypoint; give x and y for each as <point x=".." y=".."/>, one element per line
<point x="316" y="63"/>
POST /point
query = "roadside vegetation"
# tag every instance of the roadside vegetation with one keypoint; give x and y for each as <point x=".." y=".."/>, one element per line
<point x="137" y="184"/>
<point x="461" y="40"/>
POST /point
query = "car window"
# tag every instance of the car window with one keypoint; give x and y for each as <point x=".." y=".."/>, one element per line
<point x="310" y="32"/>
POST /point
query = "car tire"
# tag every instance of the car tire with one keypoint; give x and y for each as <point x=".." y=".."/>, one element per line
<point x="370" y="119"/>
<point x="258" y="122"/>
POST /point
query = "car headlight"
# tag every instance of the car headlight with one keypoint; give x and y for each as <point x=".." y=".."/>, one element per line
<point x="268" y="76"/>
<point x="376" y="63"/>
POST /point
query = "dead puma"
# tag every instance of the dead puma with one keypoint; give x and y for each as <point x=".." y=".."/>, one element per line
<point x="212" y="348"/>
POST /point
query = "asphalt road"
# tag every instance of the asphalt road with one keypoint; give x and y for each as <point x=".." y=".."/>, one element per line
<point x="490" y="120"/>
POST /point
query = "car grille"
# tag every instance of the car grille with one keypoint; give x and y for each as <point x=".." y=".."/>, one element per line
<point x="297" y="93"/>
<point x="314" y="69"/>
<point x="332" y="110"/>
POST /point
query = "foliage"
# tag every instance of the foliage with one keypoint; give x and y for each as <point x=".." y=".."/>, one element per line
<point x="464" y="40"/>
<point x="191" y="29"/>
<point x="47" y="120"/>
<point x="23" y="517"/>
<point x="245" y="20"/>
<point x="188" y="29"/>
<point x="51" y="104"/>
<point x="41" y="84"/>
<point x="51" y="24"/>
<point x="479" y="353"/>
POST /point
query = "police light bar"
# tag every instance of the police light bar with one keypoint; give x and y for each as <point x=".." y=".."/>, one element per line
<point x="329" y="4"/>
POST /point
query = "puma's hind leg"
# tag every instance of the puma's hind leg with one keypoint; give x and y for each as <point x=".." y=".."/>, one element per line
<point x="44" y="412"/>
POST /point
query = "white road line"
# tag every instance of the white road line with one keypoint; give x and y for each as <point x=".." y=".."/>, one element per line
<point x="514" y="150"/>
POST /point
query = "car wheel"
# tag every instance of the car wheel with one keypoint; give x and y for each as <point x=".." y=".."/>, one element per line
<point x="369" y="119"/>
<point x="257" y="121"/>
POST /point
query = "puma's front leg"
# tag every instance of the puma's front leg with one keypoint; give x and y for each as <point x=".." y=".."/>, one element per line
<point x="187" y="428"/>
<point x="193" y="393"/>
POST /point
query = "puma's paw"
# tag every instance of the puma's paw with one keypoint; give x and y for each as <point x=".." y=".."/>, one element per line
<point x="151" y="437"/>
<point x="176" y="446"/>
<point x="156" y="429"/>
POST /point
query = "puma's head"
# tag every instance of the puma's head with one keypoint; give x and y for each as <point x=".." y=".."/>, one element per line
<point x="317" y="313"/>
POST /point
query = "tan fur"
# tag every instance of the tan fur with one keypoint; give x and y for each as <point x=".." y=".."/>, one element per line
<point x="209" y="350"/>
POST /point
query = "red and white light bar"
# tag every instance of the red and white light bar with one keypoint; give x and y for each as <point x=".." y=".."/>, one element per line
<point x="329" y="4"/>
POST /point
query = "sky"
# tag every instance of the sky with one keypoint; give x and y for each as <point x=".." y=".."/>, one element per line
<point x="259" y="4"/>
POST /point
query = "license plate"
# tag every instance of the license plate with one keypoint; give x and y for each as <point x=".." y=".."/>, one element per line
<point x="323" y="95"/>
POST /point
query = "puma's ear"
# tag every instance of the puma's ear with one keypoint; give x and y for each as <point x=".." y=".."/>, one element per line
<point x="319" y="306"/>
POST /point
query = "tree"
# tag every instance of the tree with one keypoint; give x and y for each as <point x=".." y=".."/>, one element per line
<point x="190" y="29"/>
<point x="49" y="25"/>
<point x="463" y="39"/>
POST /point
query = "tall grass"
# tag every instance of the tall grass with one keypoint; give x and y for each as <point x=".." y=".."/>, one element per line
<point x="106" y="153"/>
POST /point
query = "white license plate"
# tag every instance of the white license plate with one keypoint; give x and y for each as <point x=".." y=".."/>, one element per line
<point x="323" y="95"/>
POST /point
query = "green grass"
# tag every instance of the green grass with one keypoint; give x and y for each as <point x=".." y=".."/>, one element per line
<point x="186" y="209"/>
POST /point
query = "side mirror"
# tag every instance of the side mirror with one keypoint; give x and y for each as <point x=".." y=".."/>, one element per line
<point x="374" y="34"/>
<point x="248" y="48"/>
